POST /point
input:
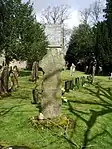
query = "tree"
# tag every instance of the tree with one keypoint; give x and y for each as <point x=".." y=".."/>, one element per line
<point x="93" y="14"/>
<point x="108" y="38"/>
<point x="80" y="44"/>
<point x="38" y="44"/>
<point x="17" y="26"/>
<point x="3" y="17"/>
<point x="85" y="14"/>
<point x="95" y="41"/>
<point x="96" y="11"/>
<point x="55" y="14"/>
<point x="67" y="34"/>
<point x="11" y="16"/>
<point x="20" y="32"/>
<point x="108" y="16"/>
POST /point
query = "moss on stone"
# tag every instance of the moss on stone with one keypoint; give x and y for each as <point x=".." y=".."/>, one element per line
<point x="58" y="122"/>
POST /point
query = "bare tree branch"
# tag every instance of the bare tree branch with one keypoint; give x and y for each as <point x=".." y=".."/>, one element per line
<point x="55" y="14"/>
<point x="46" y="15"/>
<point x="85" y="14"/>
<point x="93" y="13"/>
<point x="96" y="10"/>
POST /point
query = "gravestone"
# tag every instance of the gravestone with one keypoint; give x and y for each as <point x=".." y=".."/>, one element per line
<point x="1" y="85"/>
<point x="36" y="93"/>
<point x="77" y="82"/>
<point x="13" y="74"/>
<point x="83" y="80"/>
<point x="67" y="86"/>
<point x="86" y="69"/>
<point x="35" y="96"/>
<point x="5" y="76"/>
<point x="11" y="78"/>
<point x="72" y="69"/>
<point x="4" y="81"/>
<point x="71" y="84"/>
<point x="94" y="70"/>
<point x="52" y="65"/>
<point x="16" y="75"/>
<point x="90" y="79"/>
<point x="110" y="77"/>
<point x="34" y="73"/>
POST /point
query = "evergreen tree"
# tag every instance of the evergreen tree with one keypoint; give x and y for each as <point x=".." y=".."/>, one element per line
<point x="80" y="46"/>
<point x="19" y="31"/>
<point x="108" y="38"/>
<point x="108" y="16"/>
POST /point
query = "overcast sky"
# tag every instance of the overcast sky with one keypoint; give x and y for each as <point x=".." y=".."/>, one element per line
<point x="76" y="6"/>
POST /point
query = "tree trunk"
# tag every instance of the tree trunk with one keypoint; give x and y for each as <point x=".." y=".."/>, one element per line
<point x="7" y="60"/>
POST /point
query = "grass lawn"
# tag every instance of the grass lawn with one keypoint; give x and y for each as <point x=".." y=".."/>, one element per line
<point x="91" y="111"/>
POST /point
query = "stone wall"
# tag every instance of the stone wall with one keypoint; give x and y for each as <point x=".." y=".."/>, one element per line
<point x="19" y="64"/>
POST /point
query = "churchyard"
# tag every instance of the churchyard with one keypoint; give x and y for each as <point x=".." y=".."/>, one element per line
<point x="55" y="79"/>
<point x="89" y="107"/>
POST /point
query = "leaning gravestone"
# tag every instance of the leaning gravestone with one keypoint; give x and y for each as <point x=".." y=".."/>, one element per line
<point x="52" y="64"/>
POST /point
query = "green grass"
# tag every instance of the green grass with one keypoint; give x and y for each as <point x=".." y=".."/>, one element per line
<point x="91" y="113"/>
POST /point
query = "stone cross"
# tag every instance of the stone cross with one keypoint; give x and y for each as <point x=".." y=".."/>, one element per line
<point x="52" y="64"/>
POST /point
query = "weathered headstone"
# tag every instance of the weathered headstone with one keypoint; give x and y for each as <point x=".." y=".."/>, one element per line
<point x="67" y="86"/>
<point x="71" y="84"/>
<point x="72" y="69"/>
<point x="5" y="76"/>
<point x="16" y="74"/>
<point x="4" y="79"/>
<point x="11" y="79"/>
<point x="86" y="69"/>
<point x="1" y="87"/>
<point x="34" y="73"/>
<point x="13" y="74"/>
<point x="52" y="64"/>
<point x="83" y="80"/>
<point x="36" y="96"/>
<point x="110" y="77"/>
<point x="90" y="79"/>
<point x="77" y="82"/>
<point x="100" y="70"/>
<point x="94" y="70"/>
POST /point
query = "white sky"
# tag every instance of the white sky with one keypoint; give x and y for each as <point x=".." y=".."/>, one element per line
<point x="76" y="6"/>
<point x="73" y="21"/>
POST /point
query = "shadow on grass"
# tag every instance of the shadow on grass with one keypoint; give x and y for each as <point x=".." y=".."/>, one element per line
<point x="24" y="73"/>
<point x="105" y="102"/>
<point x="7" y="110"/>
